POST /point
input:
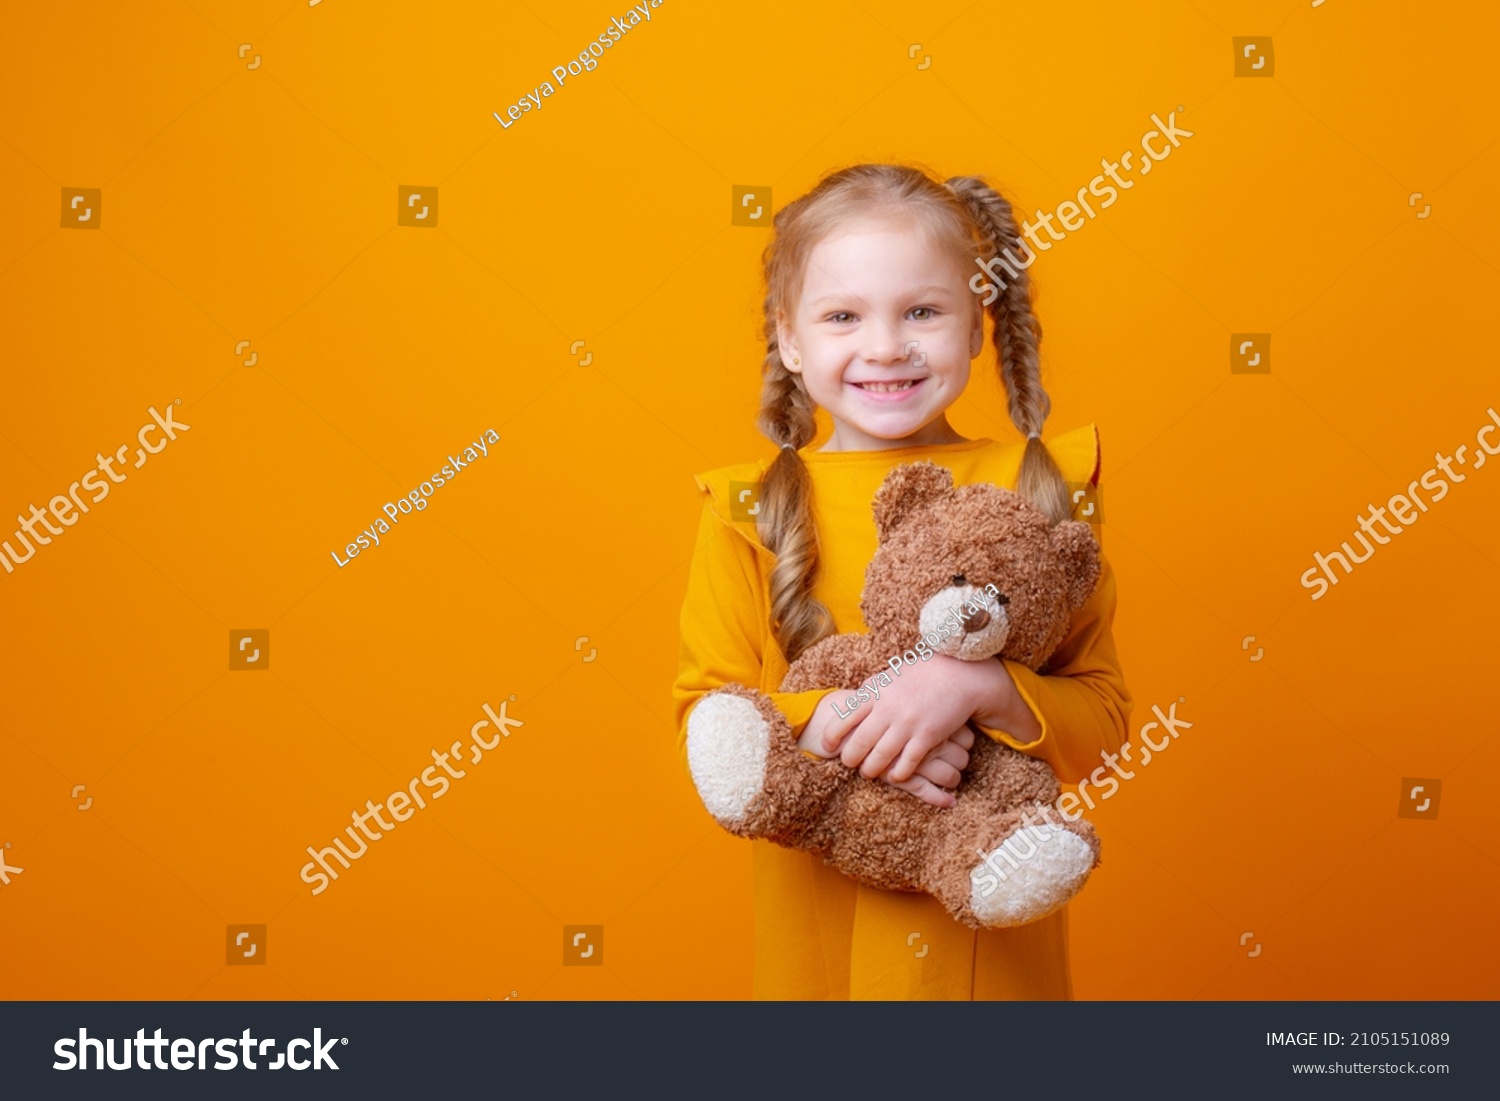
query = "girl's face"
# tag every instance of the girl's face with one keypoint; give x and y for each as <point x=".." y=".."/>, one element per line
<point x="885" y="328"/>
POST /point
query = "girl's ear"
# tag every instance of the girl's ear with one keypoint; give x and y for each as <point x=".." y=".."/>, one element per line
<point x="976" y="333"/>
<point x="787" y="344"/>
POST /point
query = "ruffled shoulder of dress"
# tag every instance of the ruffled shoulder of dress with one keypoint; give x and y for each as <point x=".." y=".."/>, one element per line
<point x="1076" y="453"/>
<point x="733" y="495"/>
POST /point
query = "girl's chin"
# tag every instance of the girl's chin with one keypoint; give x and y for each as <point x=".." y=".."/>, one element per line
<point x="892" y="431"/>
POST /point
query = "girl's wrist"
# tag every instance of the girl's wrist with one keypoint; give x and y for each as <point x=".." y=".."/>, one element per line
<point x="997" y="704"/>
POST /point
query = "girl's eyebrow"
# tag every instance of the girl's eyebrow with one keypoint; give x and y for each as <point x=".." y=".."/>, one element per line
<point x="929" y="289"/>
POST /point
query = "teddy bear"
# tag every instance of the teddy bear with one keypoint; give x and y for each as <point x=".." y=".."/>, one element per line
<point x="973" y="572"/>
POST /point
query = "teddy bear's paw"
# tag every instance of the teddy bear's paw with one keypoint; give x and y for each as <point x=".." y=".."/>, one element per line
<point x="1035" y="871"/>
<point x="728" y="744"/>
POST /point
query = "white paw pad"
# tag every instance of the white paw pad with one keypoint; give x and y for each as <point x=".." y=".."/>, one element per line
<point x="1036" y="871"/>
<point x="728" y="742"/>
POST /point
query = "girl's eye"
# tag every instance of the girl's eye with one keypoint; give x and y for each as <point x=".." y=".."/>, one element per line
<point x="842" y="315"/>
<point x="928" y="310"/>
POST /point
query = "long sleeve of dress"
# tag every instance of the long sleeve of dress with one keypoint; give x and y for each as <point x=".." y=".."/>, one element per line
<point x="724" y="637"/>
<point x="1081" y="702"/>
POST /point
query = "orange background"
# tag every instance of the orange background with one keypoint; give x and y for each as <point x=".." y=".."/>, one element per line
<point x="260" y="204"/>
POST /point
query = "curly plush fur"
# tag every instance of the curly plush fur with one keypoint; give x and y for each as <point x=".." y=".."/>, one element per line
<point x="940" y="547"/>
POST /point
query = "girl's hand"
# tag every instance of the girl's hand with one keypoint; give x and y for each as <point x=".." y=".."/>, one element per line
<point x="824" y="723"/>
<point x="916" y="713"/>
<point x="941" y="769"/>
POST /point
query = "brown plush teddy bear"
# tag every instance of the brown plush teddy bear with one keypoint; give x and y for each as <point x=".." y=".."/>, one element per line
<point x="972" y="572"/>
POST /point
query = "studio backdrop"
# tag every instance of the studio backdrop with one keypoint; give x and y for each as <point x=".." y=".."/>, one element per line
<point x="356" y="362"/>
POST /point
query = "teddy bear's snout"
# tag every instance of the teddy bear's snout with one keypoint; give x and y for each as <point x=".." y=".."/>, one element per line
<point x="964" y="621"/>
<point x="978" y="620"/>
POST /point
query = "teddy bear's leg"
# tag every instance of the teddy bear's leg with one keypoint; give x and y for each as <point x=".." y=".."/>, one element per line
<point x="1033" y="870"/>
<point x="728" y="744"/>
<point x="1006" y="856"/>
<point x="750" y="774"/>
<point x="996" y="870"/>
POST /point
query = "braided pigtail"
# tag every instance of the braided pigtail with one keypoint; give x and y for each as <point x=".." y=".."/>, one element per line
<point x="785" y="524"/>
<point x="1017" y="334"/>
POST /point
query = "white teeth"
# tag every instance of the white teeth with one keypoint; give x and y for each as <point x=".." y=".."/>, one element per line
<point x="887" y="387"/>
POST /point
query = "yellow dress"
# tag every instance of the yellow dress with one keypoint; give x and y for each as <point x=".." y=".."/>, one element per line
<point x="818" y="934"/>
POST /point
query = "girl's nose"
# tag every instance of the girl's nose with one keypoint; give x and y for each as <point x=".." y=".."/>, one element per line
<point x="883" y="344"/>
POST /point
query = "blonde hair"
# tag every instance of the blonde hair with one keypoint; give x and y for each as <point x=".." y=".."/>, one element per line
<point x="975" y="221"/>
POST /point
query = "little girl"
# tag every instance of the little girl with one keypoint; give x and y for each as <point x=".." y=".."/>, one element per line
<point x="870" y="315"/>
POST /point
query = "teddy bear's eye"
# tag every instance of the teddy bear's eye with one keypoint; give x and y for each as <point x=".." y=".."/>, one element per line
<point x="958" y="579"/>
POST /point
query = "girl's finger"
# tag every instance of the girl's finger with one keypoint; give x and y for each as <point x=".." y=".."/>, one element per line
<point x="882" y="754"/>
<point x="940" y="773"/>
<point x="950" y="754"/>
<point x="913" y="753"/>
<point x="925" y="790"/>
<point x="930" y="793"/>
<point x="858" y="745"/>
<point x="835" y="735"/>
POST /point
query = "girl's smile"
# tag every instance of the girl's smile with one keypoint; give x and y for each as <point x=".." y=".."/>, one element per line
<point x="888" y="391"/>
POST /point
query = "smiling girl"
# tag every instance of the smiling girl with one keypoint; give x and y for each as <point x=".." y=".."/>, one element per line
<point x="869" y="316"/>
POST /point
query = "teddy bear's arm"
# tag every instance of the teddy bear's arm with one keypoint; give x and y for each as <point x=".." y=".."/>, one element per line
<point x="841" y="661"/>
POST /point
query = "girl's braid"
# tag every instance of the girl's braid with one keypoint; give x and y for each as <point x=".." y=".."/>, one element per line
<point x="785" y="523"/>
<point x="1017" y="334"/>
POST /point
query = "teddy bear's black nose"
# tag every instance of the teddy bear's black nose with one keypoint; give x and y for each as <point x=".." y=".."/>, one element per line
<point x="977" y="622"/>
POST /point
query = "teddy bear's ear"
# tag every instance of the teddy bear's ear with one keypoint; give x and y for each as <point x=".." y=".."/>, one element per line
<point x="906" y="489"/>
<point x="1077" y="550"/>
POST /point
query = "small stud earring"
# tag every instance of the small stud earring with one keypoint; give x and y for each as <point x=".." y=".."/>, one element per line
<point x="796" y="362"/>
